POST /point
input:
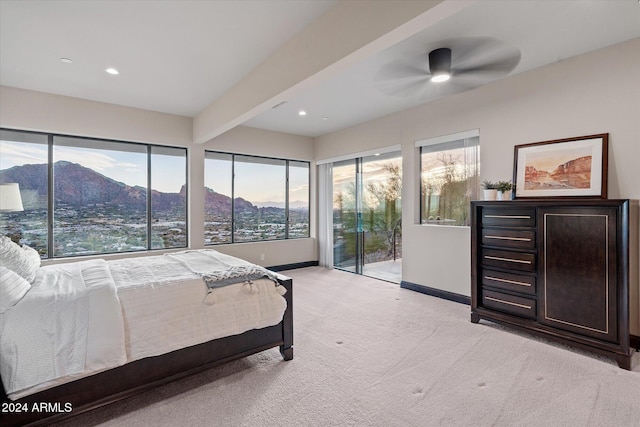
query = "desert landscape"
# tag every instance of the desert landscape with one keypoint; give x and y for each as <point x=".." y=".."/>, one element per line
<point x="574" y="174"/>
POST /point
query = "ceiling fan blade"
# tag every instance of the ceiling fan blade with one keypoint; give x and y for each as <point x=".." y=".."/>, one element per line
<point x="403" y="78"/>
<point x="490" y="56"/>
<point x="408" y="68"/>
<point x="498" y="68"/>
<point x="404" y="87"/>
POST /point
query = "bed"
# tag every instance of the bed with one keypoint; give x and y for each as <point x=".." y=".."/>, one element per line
<point x="91" y="332"/>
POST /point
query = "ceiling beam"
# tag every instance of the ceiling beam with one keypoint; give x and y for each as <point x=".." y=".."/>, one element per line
<point x="348" y="33"/>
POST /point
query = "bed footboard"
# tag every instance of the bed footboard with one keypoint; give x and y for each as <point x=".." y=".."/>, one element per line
<point x="286" y="349"/>
<point x="132" y="378"/>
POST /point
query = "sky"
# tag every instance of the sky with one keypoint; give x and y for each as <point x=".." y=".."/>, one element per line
<point x="550" y="160"/>
<point x="257" y="183"/>
<point x="127" y="167"/>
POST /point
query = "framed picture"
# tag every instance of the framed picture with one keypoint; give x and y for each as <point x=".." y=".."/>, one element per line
<point x="572" y="167"/>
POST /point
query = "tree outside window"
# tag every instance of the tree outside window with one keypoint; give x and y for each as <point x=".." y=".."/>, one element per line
<point x="449" y="180"/>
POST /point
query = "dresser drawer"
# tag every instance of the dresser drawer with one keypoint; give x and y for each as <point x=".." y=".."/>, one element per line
<point x="509" y="238"/>
<point x="509" y="260"/>
<point x="509" y="217"/>
<point x="520" y="306"/>
<point x="509" y="281"/>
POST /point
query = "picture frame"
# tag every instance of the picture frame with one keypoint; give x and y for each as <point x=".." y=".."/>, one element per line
<point x="570" y="167"/>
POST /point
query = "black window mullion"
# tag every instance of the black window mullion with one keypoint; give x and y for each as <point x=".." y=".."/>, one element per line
<point x="149" y="197"/>
<point x="422" y="191"/>
<point x="186" y="197"/>
<point x="286" y="201"/>
<point x="50" y="195"/>
<point x="309" y="200"/>
<point x="233" y="199"/>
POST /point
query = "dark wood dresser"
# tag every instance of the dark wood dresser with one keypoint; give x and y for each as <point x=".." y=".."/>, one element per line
<point x="559" y="269"/>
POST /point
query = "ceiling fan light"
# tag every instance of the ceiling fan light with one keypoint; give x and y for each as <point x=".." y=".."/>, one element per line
<point x="439" y="78"/>
<point x="440" y="64"/>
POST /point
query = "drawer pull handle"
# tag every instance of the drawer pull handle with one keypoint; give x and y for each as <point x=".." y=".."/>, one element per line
<point x="508" y="216"/>
<point x="519" y="239"/>
<point x="528" y="307"/>
<point x="498" y="279"/>
<point x="497" y="258"/>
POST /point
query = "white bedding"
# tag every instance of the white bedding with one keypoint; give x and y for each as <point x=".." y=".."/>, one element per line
<point x="98" y="315"/>
<point x="69" y="322"/>
<point x="188" y="316"/>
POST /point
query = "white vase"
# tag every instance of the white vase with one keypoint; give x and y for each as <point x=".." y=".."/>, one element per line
<point x="490" y="194"/>
<point x="504" y="195"/>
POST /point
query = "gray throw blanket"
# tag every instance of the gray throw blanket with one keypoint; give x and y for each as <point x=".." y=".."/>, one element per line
<point x="220" y="270"/>
<point x="236" y="274"/>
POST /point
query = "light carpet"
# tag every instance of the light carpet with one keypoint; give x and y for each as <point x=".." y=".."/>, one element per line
<point x="367" y="353"/>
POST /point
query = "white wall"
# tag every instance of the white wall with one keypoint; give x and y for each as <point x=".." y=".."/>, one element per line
<point x="43" y="112"/>
<point x="578" y="96"/>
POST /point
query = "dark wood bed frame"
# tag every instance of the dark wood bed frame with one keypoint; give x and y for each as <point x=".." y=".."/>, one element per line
<point x="141" y="375"/>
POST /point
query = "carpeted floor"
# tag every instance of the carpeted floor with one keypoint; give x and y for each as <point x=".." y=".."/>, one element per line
<point x="368" y="353"/>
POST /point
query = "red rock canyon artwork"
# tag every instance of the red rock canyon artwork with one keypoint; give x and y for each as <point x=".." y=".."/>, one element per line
<point x="562" y="169"/>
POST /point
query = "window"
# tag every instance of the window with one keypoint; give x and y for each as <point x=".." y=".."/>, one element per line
<point x="450" y="169"/>
<point x="298" y="199"/>
<point x="250" y="198"/>
<point x="259" y="199"/>
<point x="23" y="159"/>
<point x="218" y="188"/>
<point x="168" y="197"/>
<point x="95" y="196"/>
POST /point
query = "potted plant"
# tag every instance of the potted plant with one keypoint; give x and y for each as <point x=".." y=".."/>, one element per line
<point x="504" y="190"/>
<point x="490" y="191"/>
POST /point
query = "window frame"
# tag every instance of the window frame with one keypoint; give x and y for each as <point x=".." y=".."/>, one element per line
<point x="286" y="194"/>
<point x="149" y="212"/>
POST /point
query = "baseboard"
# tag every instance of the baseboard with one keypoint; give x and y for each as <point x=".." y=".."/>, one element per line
<point x="293" y="266"/>
<point x="463" y="299"/>
<point x="635" y="342"/>
<point x="450" y="296"/>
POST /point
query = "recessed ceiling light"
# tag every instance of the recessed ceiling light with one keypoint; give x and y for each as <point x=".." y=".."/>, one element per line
<point x="112" y="71"/>
<point x="325" y="118"/>
<point x="66" y="60"/>
<point x="302" y="113"/>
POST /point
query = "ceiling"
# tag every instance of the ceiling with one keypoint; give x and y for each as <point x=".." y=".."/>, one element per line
<point x="178" y="57"/>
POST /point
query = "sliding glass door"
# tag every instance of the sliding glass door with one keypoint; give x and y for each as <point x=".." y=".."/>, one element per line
<point x="345" y="216"/>
<point x="367" y="216"/>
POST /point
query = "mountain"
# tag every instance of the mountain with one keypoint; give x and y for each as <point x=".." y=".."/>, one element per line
<point x="77" y="186"/>
<point x="221" y="204"/>
<point x="293" y="204"/>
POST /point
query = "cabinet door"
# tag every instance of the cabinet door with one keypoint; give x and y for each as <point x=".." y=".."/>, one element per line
<point x="578" y="286"/>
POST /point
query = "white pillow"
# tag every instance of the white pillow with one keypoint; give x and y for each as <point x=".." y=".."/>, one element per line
<point x="33" y="258"/>
<point x="12" y="288"/>
<point x="24" y="261"/>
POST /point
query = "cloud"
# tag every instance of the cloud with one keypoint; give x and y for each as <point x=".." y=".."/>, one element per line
<point x="15" y="154"/>
<point x="91" y="159"/>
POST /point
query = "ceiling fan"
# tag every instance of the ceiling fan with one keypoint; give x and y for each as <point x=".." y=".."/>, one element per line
<point x="447" y="67"/>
